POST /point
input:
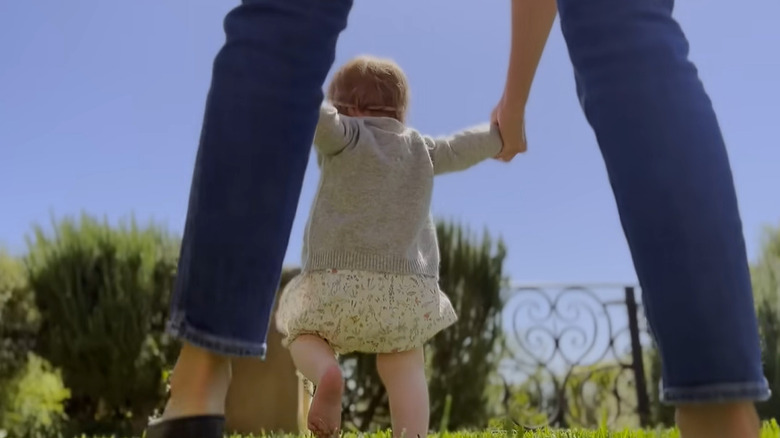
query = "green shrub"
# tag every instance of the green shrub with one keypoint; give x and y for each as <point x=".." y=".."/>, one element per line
<point x="32" y="402"/>
<point x="103" y="296"/>
<point x="765" y="274"/>
<point x="18" y="317"/>
<point x="31" y="392"/>
<point x="464" y="357"/>
<point x="660" y="414"/>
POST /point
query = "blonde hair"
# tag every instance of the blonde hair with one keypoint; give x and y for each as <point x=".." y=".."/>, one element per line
<point x="371" y="86"/>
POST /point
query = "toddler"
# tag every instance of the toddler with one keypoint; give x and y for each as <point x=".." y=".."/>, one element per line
<point x="369" y="280"/>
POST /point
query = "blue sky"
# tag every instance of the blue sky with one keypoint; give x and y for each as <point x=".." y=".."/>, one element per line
<point x="101" y="105"/>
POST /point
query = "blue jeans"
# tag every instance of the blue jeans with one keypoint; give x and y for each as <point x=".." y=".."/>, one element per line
<point x="655" y="125"/>
<point x="672" y="182"/>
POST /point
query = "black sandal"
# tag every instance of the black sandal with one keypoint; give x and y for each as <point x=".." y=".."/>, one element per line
<point x="201" y="426"/>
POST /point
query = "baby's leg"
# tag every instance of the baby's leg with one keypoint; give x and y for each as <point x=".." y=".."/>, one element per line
<point x="403" y="374"/>
<point x="314" y="358"/>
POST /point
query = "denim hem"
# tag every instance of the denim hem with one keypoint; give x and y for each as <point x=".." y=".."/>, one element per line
<point x="216" y="344"/>
<point x="718" y="393"/>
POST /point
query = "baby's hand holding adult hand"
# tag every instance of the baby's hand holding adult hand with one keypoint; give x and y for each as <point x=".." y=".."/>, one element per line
<point x="511" y="124"/>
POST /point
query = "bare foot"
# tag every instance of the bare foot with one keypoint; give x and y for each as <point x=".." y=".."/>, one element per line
<point x="325" y="412"/>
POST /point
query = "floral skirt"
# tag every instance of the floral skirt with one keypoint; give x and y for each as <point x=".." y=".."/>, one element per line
<point x="367" y="312"/>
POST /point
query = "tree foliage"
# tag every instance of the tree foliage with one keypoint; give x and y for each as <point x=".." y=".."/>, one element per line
<point x="103" y="296"/>
<point x="31" y="392"/>
<point x="32" y="402"/>
<point x="19" y="316"/>
<point x="765" y="274"/>
<point x="464" y="358"/>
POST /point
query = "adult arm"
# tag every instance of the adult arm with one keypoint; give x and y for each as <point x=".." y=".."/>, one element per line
<point x="532" y="21"/>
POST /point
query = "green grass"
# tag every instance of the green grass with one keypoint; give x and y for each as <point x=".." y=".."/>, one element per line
<point x="771" y="429"/>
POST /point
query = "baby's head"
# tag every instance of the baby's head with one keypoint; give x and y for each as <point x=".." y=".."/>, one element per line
<point x="370" y="87"/>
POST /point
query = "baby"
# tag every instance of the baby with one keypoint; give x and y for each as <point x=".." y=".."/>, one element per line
<point x="369" y="280"/>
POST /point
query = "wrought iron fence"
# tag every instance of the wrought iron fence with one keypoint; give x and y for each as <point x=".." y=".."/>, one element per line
<point x="575" y="355"/>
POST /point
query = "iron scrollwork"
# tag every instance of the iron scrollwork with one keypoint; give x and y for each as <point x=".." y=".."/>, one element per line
<point x="567" y="360"/>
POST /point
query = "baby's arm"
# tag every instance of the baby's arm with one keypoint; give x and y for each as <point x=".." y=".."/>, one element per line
<point x="335" y="132"/>
<point x="464" y="149"/>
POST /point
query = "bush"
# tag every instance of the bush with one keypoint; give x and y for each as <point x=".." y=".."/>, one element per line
<point x="660" y="414"/>
<point x="765" y="274"/>
<point x="31" y="392"/>
<point x="769" y="323"/>
<point x="18" y="317"/>
<point x="103" y="296"/>
<point x="32" y="402"/>
<point x="464" y="357"/>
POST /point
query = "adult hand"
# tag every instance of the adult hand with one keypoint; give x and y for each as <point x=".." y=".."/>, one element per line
<point x="511" y="124"/>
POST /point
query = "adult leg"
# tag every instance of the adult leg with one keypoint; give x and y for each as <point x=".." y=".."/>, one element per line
<point x="672" y="181"/>
<point x="403" y="375"/>
<point x="259" y="122"/>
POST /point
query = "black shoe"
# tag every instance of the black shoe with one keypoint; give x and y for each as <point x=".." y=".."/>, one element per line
<point x="202" y="426"/>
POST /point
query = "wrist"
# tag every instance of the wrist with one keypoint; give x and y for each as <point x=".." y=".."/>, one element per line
<point x="512" y="104"/>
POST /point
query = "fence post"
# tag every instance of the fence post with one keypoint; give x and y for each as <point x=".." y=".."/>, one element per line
<point x="637" y="363"/>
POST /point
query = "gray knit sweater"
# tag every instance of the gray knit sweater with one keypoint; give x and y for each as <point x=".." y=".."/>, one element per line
<point x="372" y="208"/>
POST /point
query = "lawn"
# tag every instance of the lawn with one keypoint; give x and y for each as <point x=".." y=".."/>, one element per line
<point x="770" y="430"/>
